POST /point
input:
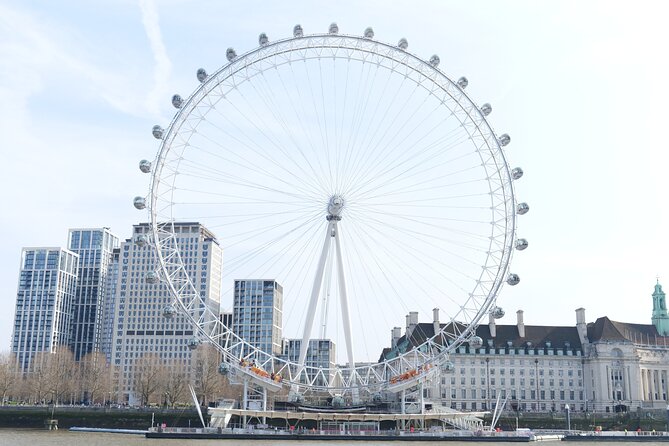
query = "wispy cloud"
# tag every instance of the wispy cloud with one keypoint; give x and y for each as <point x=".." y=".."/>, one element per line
<point x="163" y="67"/>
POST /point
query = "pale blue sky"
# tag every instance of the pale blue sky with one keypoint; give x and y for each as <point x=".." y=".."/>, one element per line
<point x="581" y="87"/>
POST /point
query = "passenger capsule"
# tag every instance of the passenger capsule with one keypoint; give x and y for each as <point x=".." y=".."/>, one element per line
<point x="139" y="202"/>
<point x="504" y="140"/>
<point x="262" y="39"/>
<point x="224" y="368"/>
<point x="369" y="33"/>
<point x="141" y="240"/>
<point x="463" y="82"/>
<point x="517" y="173"/>
<point x="513" y="279"/>
<point x="338" y="401"/>
<point x="295" y="397"/>
<point x="157" y="132"/>
<point x="298" y="31"/>
<point x="333" y="29"/>
<point x="145" y="166"/>
<point x="497" y="312"/>
<point x="151" y="277"/>
<point x="522" y="208"/>
<point x="377" y="397"/>
<point x="448" y="367"/>
<point x="230" y="54"/>
<point x="177" y="101"/>
<point x="475" y="342"/>
<point x="434" y="61"/>
<point x="486" y="109"/>
<point x="169" y="311"/>
<point x="202" y="74"/>
<point x="193" y="343"/>
<point x="521" y="244"/>
<point x="403" y="44"/>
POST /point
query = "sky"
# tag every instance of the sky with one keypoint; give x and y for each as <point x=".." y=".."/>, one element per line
<point x="580" y="87"/>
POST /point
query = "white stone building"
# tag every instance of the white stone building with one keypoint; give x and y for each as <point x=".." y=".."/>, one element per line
<point x="140" y="327"/>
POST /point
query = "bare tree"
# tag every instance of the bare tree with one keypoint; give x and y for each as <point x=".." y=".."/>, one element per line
<point x="60" y="370"/>
<point x="8" y="376"/>
<point x="175" y="382"/>
<point x="207" y="380"/>
<point x="36" y="384"/>
<point x="95" y="375"/>
<point x="147" y="375"/>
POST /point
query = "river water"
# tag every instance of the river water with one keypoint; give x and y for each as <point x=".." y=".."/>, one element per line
<point x="28" y="437"/>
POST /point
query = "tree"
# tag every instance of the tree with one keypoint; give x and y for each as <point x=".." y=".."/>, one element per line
<point x="8" y="376"/>
<point x="147" y="376"/>
<point x="175" y="382"/>
<point x="60" y="373"/>
<point x="36" y="386"/>
<point x="207" y="380"/>
<point x="95" y="376"/>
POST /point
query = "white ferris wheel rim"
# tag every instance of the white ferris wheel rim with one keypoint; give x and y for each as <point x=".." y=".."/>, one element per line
<point x="471" y="118"/>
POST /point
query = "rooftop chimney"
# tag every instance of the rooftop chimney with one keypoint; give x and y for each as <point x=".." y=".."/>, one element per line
<point x="435" y="320"/>
<point x="396" y="335"/>
<point x="520" y="323"/>
<point x="491" y="324"/>
<point x="581" y="326"/>
<point x="412" y="321"/>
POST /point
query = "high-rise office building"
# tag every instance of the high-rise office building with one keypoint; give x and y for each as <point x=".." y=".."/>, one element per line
<point x="140" y="327"/>
<point x="257" y="313"/>
<point x="47" y="284"/>
<point x="94" y="246"/>
<point x="111" y="283"/>
<point x="321" y="353"/>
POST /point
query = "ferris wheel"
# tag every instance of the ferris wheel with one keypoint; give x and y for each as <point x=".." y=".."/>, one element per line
<point x="364" y="180"/>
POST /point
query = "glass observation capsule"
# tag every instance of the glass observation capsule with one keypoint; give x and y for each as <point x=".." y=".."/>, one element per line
<point x="448" y="367"/>
<point x="486" y="109"/>
<point x="193" y="343"/>
<point x="169" y="311"/>
<point x="177" y="101"/>
<point x="141" y="240"/>
<point x="139" y="203"/>
<point x="403" y="44"/>
<point x="151" y="277"/>
<point x="463" y="82"/>
<point x="157" y="132"/>
<point x="202" y="74"/>
<point x="517" y="173"/>
<point x="369" y="33"/>
<point x="145" y="166"/>
<point x="262" y="39"/>
<point x="521" y="244"/>
<point x="333" y="29"/>
<point x="224" y="368"/>
<point x="230" y="54"/>
<point x="522" y="208"/>
<point x="298" y="31"/>
<point x="338" y="401"/>
<point x="513" y="279"/>
<point x="475" y="342"/>
<point x="504" y="140"/>
<point x="434" y="61"/>
<point x="497" y="312"/>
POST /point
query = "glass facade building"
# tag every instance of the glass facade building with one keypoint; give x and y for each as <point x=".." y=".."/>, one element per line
<point x="109" y="305"/>
<point x="46" y="290"/>
<point x="94" y="247"/>
<point x="257" y="313"/>
<point x="321" y="353"/>
<point x="139" y="325"/>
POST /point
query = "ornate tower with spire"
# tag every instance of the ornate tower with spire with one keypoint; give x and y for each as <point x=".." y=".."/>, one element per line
<point x="660" y="316"/>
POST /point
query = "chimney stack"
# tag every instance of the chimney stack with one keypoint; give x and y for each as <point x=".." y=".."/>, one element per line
<point x="520" y="323"/>
<point x="435" y="320"/>
<point x="581" y="326"/>
<point x="412" y="321"/>
<point x="396" y="333"/>
<point x="492" y="326"/>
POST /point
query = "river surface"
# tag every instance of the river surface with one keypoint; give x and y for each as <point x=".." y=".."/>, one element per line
<point x="29" y="437"/>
